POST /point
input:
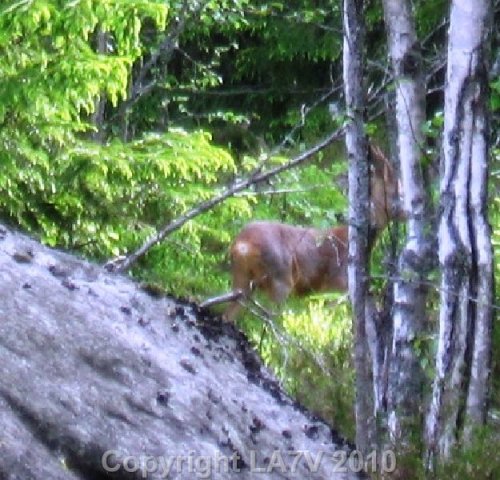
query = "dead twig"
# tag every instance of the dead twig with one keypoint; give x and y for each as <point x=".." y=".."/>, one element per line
<point x="224" y="298"/>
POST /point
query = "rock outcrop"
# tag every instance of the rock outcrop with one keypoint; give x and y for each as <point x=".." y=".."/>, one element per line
<point x="101" y="379"/>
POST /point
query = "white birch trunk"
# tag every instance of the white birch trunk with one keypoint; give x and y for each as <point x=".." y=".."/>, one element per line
<point x="465" y="253"/>
<point x="477" y="396"/>
<point x="405" y="380"/>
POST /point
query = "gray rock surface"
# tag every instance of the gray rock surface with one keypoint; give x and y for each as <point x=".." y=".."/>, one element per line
<point x="96" y="374"/>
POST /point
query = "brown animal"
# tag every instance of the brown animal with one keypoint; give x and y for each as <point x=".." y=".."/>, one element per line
<point x="281" y="259"/>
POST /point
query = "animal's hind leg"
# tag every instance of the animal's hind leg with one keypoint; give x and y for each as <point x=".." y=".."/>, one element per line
<point x="241" y="283"/>
<point x="231" y="312"/>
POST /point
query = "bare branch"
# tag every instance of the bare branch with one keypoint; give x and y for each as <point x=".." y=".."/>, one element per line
<point x="256" y="177"/>
<point x="283" y="191"/>
<point x="283" y="338"/>
<point x="224" y="298"/>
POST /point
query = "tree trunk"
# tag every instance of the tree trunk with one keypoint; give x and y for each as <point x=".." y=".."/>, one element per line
<point x="97" y="118"/>
<point x="405" y="379"/>
<point x="359" y="207"/>
<point x="465" y="253"/>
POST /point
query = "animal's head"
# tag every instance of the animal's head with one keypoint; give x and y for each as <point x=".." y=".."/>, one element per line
<point x="386" y="194"/>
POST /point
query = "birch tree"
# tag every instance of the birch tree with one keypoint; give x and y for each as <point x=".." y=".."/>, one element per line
<point x="357" y="153"/>
<point x="465" y="254"/>
<point x="405" y="379"/>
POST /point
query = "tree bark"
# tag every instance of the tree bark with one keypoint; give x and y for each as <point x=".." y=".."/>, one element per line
<point x="459" y="396"/>
<point x="405" y="379"/>
<point x="359" y="207"/>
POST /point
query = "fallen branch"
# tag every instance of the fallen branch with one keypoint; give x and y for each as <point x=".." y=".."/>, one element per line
<point x="224" y="298"/>
<point x="256" y="177"/>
